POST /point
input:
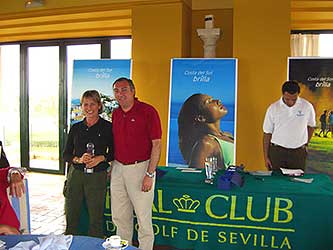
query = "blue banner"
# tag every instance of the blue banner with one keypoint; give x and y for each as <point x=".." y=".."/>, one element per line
<point x="98" y="75"/>
<point x="215" y="78"/>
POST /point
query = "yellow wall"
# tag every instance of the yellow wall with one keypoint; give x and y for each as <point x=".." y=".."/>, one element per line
<point x="261" y="44"/>
<point x="156" y="39"/>
<point x="223" y="20"/>
<point x="186" y="31"/>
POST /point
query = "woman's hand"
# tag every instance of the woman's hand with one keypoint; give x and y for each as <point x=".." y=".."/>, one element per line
<point x="86" y="158"/>
<point x="93" y="161"/>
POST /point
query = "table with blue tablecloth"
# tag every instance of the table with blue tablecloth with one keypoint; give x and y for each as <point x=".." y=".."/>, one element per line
<point x="78" y="243"/>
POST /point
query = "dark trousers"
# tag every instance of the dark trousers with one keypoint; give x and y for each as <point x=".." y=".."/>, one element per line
<point x="92" y="189"/>
<point x="287" y="158"/>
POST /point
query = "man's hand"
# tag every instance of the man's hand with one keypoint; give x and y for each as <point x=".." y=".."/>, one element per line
<point x="16" y="184"/>
<point x="268" y="164"/>
<point x="266" y="144"/>
<point x="8" y="230"/>
<point x="147" y="184"/>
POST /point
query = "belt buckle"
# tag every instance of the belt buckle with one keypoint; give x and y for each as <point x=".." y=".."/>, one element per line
<point x="88" y="170"/>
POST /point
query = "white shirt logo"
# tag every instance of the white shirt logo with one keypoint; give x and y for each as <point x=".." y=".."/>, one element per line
<point x="300" y="113"/>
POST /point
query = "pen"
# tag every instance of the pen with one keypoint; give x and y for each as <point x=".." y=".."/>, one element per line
<point x="259" y="178"/>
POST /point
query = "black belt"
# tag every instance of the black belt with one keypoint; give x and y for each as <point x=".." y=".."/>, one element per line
<point x="99" y="168"/>
<point x="132" y="163"/>
<point x="291" y="149"/>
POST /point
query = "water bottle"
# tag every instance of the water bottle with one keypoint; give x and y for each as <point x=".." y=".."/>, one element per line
<point x="209" y="170"/>
<point x="214" y="165"/>
<point x="90" y="150"/>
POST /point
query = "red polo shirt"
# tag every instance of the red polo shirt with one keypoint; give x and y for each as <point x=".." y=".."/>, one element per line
<point x="134" y="131"/>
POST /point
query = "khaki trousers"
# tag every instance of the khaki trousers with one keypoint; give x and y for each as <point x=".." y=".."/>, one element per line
<point x="126" y="196"/>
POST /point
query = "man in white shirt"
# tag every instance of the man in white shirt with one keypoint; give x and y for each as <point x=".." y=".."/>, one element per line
<point x="288" y="127"/>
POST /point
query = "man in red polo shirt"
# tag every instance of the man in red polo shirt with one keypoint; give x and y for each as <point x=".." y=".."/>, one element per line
<point x="137" y="136"/>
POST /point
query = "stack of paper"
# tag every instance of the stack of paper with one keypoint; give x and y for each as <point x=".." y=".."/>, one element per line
<point x="191" y="170"/>
<point x="292" y="172"/>
<point x="261" y="173"/>
<point x="308" y="181"/>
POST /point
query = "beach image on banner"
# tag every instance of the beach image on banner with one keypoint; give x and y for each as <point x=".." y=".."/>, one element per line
<point x="215" y="79"/>
<point x="98" y="75"/>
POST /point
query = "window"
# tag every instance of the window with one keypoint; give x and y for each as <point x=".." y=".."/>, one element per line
<point x="121" y="48"/>
<point x="326" y="45"/>
<point x="35" y="95"/>
<point x="311" y="44"/>
<point x="10" y="102"/>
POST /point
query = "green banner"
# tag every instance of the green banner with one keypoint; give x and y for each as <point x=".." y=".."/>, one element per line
<point x="266" y="213"/>
<point x="269" y="213"/>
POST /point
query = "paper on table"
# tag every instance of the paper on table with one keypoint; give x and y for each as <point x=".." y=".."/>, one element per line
<point x="309" y="180"/>
<point x="292" y="172"/>
<point x="55" y="242"/>
<point x="181" y="168"/>
<point x="191" y="170"/>
<point x="49" y="242"/>
<point x="261" y="173"/>
<point x="25" y="245"/>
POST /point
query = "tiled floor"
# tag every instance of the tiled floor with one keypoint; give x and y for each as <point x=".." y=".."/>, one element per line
<point x="46" y="203"/>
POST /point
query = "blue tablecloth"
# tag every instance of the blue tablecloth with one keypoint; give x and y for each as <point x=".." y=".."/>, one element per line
<point x="78" y="243"/>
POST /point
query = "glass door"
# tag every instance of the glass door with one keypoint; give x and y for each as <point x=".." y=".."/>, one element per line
<point x="10" y="102"/>
<point x="43" y="91"/>
<point x="35" y="90"/>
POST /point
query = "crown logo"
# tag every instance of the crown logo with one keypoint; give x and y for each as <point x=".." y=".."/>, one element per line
<point x="185" y="204"/>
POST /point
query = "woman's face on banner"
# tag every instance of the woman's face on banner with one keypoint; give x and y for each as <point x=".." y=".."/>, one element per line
<point x="90" y="107"/>
<point x="213" y="108"/>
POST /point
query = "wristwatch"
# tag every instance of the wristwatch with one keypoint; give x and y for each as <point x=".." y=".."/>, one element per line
<point x="150" y="175"/>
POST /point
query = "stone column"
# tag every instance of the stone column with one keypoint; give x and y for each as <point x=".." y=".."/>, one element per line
<point x="209" y="35"/>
